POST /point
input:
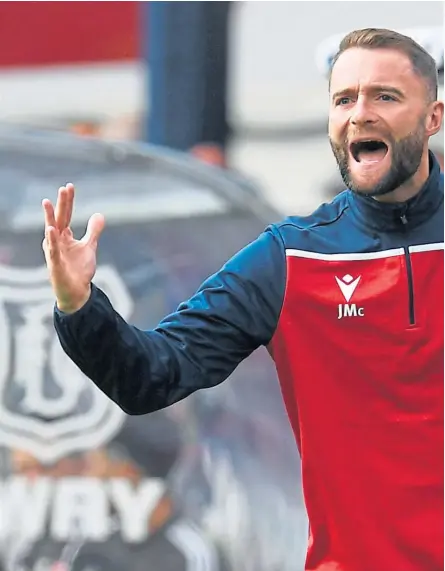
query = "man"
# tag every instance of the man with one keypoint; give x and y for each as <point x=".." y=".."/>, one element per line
<point x="349" y="302"/>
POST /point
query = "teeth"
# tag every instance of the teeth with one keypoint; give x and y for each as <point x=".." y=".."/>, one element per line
<point x="367" y="141"/>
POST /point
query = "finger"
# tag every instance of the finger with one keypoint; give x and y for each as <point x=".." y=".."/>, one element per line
<point x="95" y="227"/>
<point x="52" y="244"/>
<point x="64" y="207"/>
<point x="70" y="203"/>
<point x="48" y="210"/>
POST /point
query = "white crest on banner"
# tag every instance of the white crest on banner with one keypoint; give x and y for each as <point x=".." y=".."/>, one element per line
<point x="76" y="415"/>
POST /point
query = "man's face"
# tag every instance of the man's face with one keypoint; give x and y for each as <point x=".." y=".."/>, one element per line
<point x="378" y="119"/>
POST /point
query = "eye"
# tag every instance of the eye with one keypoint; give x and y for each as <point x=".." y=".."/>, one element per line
<point x="343" y="101"/>
<point x="386" y="97"/>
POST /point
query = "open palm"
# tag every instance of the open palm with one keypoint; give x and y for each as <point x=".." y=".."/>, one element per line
<point x="71" y="263"/>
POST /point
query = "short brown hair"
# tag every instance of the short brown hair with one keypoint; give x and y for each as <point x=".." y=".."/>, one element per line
<point x="378" y="38"/>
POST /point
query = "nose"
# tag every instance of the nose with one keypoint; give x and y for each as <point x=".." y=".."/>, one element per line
<point x="362" y="113"/>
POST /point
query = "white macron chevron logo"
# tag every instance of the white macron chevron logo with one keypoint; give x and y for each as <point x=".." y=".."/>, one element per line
<point x="347" y="285"/>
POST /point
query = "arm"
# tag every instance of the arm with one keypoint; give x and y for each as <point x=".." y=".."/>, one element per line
<point x="233" y="313"/>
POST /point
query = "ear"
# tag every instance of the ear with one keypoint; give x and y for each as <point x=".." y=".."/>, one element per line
<point x="434" y="118"/>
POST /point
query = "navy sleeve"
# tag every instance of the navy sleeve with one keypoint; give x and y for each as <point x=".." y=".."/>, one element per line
<point x="234" y="312"/>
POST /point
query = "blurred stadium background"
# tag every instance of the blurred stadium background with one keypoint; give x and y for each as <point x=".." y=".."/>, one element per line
<point x="212" y="483"/>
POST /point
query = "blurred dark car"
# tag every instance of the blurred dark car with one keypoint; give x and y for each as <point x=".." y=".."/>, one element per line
<point x="209" y="484"/>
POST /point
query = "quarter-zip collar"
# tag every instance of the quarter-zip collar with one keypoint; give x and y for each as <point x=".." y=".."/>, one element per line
<point x="389" y="217"/>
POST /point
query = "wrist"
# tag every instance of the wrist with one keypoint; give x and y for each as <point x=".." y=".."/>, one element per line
<point x="72" y="305"/>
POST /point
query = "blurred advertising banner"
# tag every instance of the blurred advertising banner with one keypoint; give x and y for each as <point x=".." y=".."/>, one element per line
<point x="59" y="33"/>
<point x="210" y="484"/>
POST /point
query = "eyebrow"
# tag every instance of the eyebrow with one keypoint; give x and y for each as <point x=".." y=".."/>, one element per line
<point x="373" y="89"/>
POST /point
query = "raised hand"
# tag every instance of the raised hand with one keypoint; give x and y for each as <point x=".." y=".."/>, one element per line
<point x="71" y="263"/>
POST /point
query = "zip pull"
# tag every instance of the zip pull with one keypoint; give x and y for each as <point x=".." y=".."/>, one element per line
<point x="403" y="216"/>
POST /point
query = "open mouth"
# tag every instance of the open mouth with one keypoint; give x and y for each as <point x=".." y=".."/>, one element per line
<point x="371" y="151"/>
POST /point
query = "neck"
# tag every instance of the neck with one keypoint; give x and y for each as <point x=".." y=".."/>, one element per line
<point x="412" y="186"/>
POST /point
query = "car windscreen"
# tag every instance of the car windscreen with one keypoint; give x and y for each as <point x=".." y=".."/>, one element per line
<point x="235" y="437"/>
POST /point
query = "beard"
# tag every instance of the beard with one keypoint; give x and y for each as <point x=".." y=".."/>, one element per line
<point x="406" y="155"/>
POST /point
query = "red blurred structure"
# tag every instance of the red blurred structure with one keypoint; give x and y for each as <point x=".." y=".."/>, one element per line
<point x="59" y="33"/>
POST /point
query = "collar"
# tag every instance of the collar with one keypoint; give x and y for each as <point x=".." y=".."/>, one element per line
<point x="405" y="215"/>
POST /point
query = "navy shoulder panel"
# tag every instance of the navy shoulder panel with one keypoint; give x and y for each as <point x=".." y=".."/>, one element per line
<point x="325" y="214"/>
<point x="328" y="230"/>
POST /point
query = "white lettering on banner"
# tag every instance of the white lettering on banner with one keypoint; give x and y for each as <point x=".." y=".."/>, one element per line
<point x="134" y="505"/>
<point x="80" y="509"/>
<point x="47" y="406"/>
<point x="77" y="507"/>
<point x="24" y="506"/>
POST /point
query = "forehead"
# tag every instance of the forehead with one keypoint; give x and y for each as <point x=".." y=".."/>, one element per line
<point x="361" y="68"/>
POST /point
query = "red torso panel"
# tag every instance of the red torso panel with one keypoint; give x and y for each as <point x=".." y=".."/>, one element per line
<point x="359" y="353"/>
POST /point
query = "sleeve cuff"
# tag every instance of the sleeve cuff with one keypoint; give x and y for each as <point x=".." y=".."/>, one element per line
<point x="61" y="315"/>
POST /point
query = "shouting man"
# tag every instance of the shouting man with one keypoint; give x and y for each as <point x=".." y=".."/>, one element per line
<point x="349" y="302"/>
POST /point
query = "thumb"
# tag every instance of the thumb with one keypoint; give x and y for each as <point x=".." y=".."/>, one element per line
<point x="95" y="227"/>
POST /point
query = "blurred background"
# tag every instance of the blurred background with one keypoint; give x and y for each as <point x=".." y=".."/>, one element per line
<point x="191" y="126"/>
